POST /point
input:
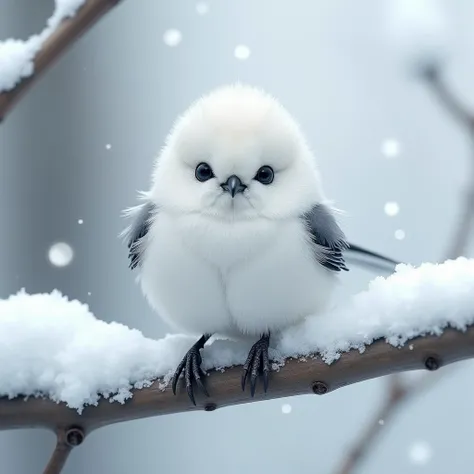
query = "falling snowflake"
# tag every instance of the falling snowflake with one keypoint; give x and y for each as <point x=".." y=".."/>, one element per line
<point x="399" y="234"/>
<point x="381" y="422"/>
<point x="202" y="8"/>
<point x="108" y="146"/>
<point x="242" y="52"/>
<point x="286" y="408"/>
<point x="80" y="221"/>
<point x="420" y="452"/>
<point x="172" y="37"/>
<point x="60" y="254"/>
<point x="89" y="293"/>
<point x="391" y="208"/>
<point x="390" y="148"/>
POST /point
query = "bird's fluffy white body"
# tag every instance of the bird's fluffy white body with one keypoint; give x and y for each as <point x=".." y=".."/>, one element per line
<point x="232" y="278"/>
<point x="243" y="265"/>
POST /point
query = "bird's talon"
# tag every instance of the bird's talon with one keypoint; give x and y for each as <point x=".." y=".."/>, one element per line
<point x="257" y="361"/>
<point x="243" y="379"/>
<point x="265" y="381"/>
<point x="253" y="385"/>
<point x="191" y="364"/>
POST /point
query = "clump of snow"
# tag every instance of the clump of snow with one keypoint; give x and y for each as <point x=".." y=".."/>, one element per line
<point x="51" y="346"/>
<point x="17" y="56"/>
<point x="55" y="347"/>
<point x="409" y="303"/>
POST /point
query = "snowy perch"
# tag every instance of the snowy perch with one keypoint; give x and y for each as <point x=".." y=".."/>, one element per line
<point x="61" y="357"/>
<point x="22" y="62"/>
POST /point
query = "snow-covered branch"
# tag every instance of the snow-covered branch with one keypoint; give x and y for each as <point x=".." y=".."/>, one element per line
<point x="65" y="370"/>
<point x="297" y="377"/>
<point x="22" y="62"/>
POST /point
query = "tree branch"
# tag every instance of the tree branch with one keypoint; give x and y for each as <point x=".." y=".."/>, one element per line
<point x="68" y="32"/>
<point x="445" y="96"/>
<point x="398" y="391"/>
<point x="65" y="441"/>
<point x="295" y="378"/>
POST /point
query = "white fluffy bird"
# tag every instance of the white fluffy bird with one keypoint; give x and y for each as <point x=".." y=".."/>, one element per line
<point x="235" y="236"/>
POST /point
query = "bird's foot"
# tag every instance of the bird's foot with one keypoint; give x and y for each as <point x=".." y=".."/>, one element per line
<point x="257" y="361"/>
<point x="191" y="364"/>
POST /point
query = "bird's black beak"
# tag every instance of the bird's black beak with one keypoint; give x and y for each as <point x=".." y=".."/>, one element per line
<point x="233" y="185"/>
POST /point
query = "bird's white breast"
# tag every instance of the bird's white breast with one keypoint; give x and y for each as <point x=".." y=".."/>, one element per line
<point x="185" y="289"/>
<point x="206" y="275"/>
<point x="280" y="287"/>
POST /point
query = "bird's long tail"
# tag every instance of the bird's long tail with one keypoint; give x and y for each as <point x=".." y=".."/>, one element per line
<point x="369" y="259"/>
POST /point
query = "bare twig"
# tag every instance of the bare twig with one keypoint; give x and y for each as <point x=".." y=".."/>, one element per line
<point x="398" y="391"/>
<point x="458" y="242"/>
<point x="68" y="32"/>
<point x="444" y="95"/>
<point x="66" y="439"/>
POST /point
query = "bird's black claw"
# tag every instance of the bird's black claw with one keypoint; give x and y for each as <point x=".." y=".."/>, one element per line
<point x="244" y="377"/>
<point x="197" y="372"/>
<point x="266" y="369"/>
<point x="191" y="364"/>
<point x="177" y="373"/>
<point x="257" y="361"/>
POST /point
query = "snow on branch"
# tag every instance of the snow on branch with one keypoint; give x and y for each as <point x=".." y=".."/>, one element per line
<point x="63" y="368"/>
<point x="21" y="62"/>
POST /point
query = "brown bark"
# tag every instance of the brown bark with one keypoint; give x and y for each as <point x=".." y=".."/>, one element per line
<point x="295" y="378"/>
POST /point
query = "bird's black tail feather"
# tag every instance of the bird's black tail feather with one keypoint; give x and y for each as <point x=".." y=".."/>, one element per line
<point x="372" y="260"/>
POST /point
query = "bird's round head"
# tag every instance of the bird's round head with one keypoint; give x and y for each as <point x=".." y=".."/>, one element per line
<point x="236" y="153"/>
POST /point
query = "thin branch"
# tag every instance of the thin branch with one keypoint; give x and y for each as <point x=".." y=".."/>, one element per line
<point x="66" y="440"/>
<point x="371" y="431"/>
<point x="444" y="95"/>
<point x="458" y="243"/>
<point x="397" y="391"/>
<point x="64" y="36"/>
<point x="58" y="458"/>
<point x="296" y="378"/>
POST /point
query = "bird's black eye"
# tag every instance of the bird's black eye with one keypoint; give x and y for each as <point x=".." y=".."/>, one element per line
<point x="265" y="175"/>
<point x="203" y="172"/>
